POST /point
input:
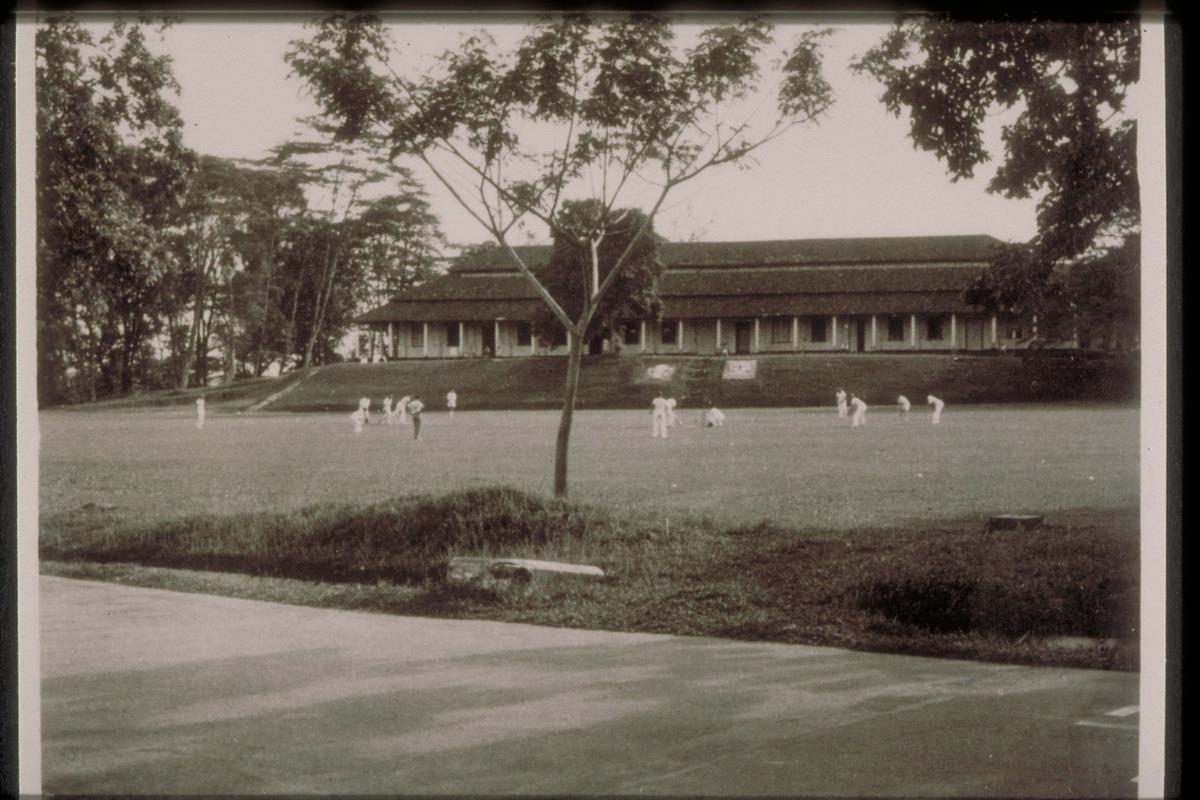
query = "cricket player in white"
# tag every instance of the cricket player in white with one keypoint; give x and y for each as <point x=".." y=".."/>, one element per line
<point x="388" y="413"/>
<point x="902" y="401"/>
<point x="938" y="405"/>
<point x="713" y="418"/>
<point x="364" y="405"/>
<point x="860" y="411"/>
<point x="451" y="402"/>
<point x="402" y="409"/>
<point x="672" y="420"/>
<point x="658" y="417"/>
<point x="199" y="413"/>
<point x="358" y="417"/>
<point x="415" y="407"/>
<point x="841" y="403"/>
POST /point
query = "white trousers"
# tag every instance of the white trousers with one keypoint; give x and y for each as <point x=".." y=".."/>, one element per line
<point x="658" y="425"/>
<point x="841" y="410"/>
<point x="937" y="416"/>
<point x="859" y="418"/>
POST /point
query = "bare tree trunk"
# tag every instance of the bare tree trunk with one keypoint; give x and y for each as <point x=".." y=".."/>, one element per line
<point x="322" y="303"/>
<point x="230" y="344"/>
<point x="570" y="391"/>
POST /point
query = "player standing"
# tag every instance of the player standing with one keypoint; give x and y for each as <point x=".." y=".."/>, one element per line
<point x="200" y="413"/>
<point x="860" y="411"/>
<point x="672" y="420"/>
<point x="358" y="417"/>
<point x="658" y="417"/>
<point x="938" y="405"/>
<point x="415" y="407"/>
<point x="451" y="402"/>
<point x="402" y="409"/>
<point x="364" y="405"/>
<point x="840" y="396"/>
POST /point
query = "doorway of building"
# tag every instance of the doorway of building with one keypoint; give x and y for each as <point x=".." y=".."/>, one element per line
<point x="489" y="338"/>
<point x="861" y="330"/>
<point x="742" y="331"/>
<point x="596" y="346"/>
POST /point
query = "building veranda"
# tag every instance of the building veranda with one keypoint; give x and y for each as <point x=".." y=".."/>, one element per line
<point x="901" y="294"/>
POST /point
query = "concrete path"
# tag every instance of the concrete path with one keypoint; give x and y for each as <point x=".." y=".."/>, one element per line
<point x="148" y="691"/>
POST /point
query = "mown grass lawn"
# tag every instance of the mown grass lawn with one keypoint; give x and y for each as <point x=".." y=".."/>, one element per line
<point x="785" y="525"/>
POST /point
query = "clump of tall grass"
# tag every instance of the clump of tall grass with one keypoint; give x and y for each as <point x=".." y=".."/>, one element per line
<point x="404" y="540"/>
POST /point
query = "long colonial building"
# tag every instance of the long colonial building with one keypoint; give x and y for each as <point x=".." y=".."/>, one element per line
<point x="809" y="295"/>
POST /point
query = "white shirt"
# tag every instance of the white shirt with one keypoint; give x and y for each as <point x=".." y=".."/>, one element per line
<point x="660" y="405"/>
<point x="364" y="403"/>
<point x="841" y="397"/>
<point x="416" y="407"/>
<point x="451" y="400"/>
<point x="904" y="403"/>
<point x="858" y="404"/>
<point x="713" y="416"/>
<point x="937" y="403"/>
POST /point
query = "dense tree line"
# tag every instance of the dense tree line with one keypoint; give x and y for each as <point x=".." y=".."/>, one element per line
<point x="158" y="267"/>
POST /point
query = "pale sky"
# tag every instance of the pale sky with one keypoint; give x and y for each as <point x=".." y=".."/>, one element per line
<point x="856" y="174"/>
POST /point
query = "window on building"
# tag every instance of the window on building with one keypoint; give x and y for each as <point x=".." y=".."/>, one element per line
<point x="781" y="331"/>
<point x="670" y="328"/>
<point x="820" y="329"/>
<point x="895" y="331"/>
<point x="524" y="335"/>
<point x="633" y="333"/>
<point x="418" y="334"/>
<point x="558" y="336"/>
<point x="452" y="334"/>
<point x="934" y="328"/>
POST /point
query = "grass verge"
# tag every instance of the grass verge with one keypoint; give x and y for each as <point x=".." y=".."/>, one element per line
<point x="949" y="590"/>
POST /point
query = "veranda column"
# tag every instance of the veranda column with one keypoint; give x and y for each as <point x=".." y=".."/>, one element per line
<point x="424" y="338"/>
<point x="496" y="351"/>
<point x="679" y="335"/>
<point x="874" y="334"/>
<point x="391" y="342"/>
<point x="914" y="330"/>
<point x="642" y="337"/>
<point x="795" y="333"/>
<point x="718" y="335"/>
<point x="994" y="330"/>
<point x="835" y="332"/>
<point x="756" y="334"/>
<point x="462" y="342"/>
<point x="1035" y="324"/>
<point x="953" y="331"/>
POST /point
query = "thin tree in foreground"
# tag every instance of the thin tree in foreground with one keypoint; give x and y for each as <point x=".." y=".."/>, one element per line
<point x="583" y="107"/>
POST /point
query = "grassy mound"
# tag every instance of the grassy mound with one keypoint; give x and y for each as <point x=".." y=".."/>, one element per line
<point x="952" y="590"/>
<point x="807" y="379"/>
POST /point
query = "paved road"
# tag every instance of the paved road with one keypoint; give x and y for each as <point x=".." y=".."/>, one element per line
<point x="148" y="691"/>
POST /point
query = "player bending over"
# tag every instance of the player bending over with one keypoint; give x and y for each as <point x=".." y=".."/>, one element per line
<point x="860" y="411"/>
<point x="938" y="405"/>
<point x="902" y="401"/>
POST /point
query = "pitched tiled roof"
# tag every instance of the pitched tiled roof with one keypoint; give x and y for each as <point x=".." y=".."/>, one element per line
<point x="875" y="276"/>
<point x="784" y="252"/>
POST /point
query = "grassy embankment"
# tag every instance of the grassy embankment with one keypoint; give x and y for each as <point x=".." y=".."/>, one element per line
<point x="947" y="590"/>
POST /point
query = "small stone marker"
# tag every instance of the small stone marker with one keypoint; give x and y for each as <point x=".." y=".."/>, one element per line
<point x="1011" y="522"/>
<point x="490" y="572"/>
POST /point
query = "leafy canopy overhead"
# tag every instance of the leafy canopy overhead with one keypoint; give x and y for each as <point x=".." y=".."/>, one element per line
<point x="1072" y="141"/>
<point x="583" y="103"/>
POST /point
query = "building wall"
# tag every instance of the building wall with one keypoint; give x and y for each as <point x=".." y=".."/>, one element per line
<point x="971" y="332"/>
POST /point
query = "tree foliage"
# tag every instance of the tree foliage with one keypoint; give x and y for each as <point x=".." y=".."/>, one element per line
<point x="1072" y="144"/>
<point x="111" y="173"/>
<point x="568" y="274"/>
